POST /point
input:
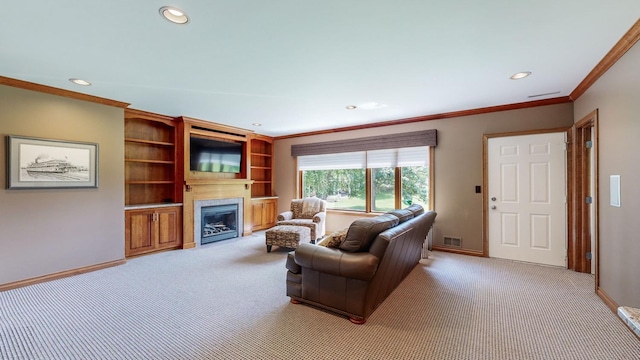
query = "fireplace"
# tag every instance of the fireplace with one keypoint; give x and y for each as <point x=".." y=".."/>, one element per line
<point x="217" y="219"/>
<point x="218" y="222"/>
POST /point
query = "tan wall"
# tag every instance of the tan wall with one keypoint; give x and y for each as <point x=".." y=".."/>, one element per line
<point x="457" y="168"/>
<point x="616" y="95"/>
<point x="47" y="231"/>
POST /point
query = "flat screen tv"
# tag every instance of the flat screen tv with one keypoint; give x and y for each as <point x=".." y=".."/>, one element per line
<point x="209" y="155"/>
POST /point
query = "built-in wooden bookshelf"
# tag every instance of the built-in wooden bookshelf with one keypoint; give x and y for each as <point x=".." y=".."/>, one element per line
<point x="150" y="159"/>
<point x="261" y="153"/>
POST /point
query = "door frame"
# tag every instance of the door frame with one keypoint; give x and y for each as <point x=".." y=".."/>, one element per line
<point x="485" y="178"/>
<point x="580" y="221"/>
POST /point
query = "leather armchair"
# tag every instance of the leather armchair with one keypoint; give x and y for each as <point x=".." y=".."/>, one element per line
<point x="310" y="212"/>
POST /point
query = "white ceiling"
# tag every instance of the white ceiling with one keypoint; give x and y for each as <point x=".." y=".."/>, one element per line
<point x="293" y="65"/>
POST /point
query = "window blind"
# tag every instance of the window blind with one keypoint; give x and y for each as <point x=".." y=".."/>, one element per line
<point x="403" y="157"/>
<point x="352" y="160"/>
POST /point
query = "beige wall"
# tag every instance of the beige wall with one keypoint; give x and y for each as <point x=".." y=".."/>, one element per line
<point x="457" y="168"/>
<point x="47" y="231"/>
<point x="616" y="95"/>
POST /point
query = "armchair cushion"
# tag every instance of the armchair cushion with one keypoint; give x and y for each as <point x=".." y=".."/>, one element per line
<point x="363" y="231"/>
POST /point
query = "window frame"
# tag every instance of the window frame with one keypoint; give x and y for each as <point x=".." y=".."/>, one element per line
<point x="369" y="182"/>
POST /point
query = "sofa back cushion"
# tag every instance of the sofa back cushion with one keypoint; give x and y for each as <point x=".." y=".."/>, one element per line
<point x="362" y="232"/>
<point x="416" y="209"/>
<point x="402" y="214"/>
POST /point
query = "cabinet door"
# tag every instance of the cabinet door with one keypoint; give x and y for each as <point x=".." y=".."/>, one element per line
<point x="139" y="232"/>
<point x="269" y="213"/>
<point x="256" y="210"/>
<point x="169" y="227"/>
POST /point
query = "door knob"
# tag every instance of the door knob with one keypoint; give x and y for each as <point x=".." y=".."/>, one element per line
<point x="493" y="207"/>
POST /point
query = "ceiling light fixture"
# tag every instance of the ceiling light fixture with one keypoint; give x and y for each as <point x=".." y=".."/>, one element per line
<point x="351" y="107"/>
<point x="174" y="15"/>
<point x="256" y="124"/>
<point x="80" y="82"/>
<point x="520" y="75"/>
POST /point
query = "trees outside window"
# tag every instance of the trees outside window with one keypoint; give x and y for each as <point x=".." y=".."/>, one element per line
<point x="345" y="189"/>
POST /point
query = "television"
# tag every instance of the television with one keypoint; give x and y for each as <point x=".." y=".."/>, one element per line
<point x="209" y="155"/>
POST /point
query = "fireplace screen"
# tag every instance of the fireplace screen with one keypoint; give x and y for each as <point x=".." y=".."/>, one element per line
<point x="219" y="223"/>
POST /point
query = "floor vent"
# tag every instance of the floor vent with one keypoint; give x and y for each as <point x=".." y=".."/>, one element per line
<point x="452" y="241"/>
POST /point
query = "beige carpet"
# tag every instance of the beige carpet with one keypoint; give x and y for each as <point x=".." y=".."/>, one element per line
<point x="227" y="301"/>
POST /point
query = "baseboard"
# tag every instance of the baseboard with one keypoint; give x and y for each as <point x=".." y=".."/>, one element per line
<point x="613" y="306"/>
<point x="458" y="251"/>
<point x="60" y="275"/>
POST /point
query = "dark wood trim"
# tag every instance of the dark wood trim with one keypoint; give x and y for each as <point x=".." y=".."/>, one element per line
<point x="60" y="275"/>
<point x="458" y="251"/>
<point x="611" y="304"/>
<point x="619" y="49"/>
<point x="60" y="92"/>
<point x="453" y="114"/>
<point x="581" y="188"/>
<point x="141" y="114"/>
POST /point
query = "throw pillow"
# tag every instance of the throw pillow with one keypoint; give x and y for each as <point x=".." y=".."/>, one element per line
<point x="362" y="232"/>
<point x="335" y="239"/>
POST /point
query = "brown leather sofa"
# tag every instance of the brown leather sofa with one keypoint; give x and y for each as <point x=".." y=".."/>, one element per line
<point x="353" y="279"/>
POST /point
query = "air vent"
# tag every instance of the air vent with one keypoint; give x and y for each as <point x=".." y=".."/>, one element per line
<point x="452" y="241"/>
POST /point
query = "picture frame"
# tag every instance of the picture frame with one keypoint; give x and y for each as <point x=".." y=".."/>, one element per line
<point x="37" y="163"/>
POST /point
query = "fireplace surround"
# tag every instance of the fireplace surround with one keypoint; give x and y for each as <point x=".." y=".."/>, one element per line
<point x="217" y="219"/>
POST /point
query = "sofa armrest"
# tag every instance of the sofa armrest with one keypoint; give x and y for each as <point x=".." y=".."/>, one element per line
<point x="291" y="263"/>
<point x="360" y="265"/>
<point x="287" y="215"/>
<point x="319" y="217"/>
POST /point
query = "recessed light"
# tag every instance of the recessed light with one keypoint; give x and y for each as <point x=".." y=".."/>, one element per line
<point x="256" y="124"/>
<point x="174" y="15"/>
<point x="351" y="107"/>
<point x="80" y="82"/>
<point x="520" y="75"/>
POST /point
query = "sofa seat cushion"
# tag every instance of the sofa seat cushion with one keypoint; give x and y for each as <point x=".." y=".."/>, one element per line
<point x="362" y="232"/>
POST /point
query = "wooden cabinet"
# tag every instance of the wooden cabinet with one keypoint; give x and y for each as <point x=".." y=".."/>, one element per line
<point x="152" y="229"/>
<point x="150" y="159"/>
<point x="154" y="219"/>
<point x="264" y="213"/>
<point x="261" y="155"/>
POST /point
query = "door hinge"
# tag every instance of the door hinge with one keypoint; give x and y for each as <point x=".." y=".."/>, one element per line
<point x="588" y="144"/>
<point x="589" y="256"/>
<point x="589" y="200"/>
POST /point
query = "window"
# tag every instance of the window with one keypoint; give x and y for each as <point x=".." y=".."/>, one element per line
<point x="371" y="181"/>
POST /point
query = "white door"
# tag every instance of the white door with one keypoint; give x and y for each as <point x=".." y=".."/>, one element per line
<point x="526" y="198"/>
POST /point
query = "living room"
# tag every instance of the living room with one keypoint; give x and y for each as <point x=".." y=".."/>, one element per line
<point x="45" y="232"/>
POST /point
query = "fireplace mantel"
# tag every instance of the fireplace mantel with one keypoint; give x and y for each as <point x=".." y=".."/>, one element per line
<point x="208" y="189"/>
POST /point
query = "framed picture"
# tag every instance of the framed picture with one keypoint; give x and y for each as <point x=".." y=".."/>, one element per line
<point x="34" y="163"/>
